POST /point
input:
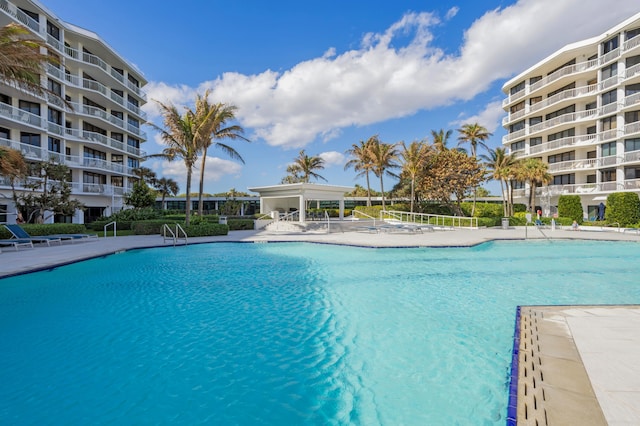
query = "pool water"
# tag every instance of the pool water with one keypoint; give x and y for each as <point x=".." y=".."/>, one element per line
<point x="287" y="333"/>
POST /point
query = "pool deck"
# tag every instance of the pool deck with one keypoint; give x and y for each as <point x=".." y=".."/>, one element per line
<point x="586" y="356"/>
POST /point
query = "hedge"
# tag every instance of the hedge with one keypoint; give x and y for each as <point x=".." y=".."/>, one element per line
<point x="47" y="229"/>
<point x="206" y="229"/>
<point x="570" y="206"/>
<point x="623" y="208"/>
<point x="240" y="224"/>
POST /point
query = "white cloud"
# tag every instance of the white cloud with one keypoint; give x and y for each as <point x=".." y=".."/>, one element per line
<point x="332" y="158"/>
<point x="490" y="117"/>
<point x="215" y="169"/>
<point x="381" y="80"/>
<point x="452" y="12"/>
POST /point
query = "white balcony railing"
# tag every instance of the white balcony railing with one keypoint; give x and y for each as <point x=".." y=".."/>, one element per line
<point x="574" y="165"/>
<point x="20" y="116"/>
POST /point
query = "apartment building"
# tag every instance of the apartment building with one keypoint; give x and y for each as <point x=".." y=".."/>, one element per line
<point x="579" y="111"/>
<point x="100" y="138"/>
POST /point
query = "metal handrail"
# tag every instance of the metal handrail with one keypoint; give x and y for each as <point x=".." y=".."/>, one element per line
<point x="179" y="230"/>
<point x="115" y="228"/>
<point x="175" y="236"/>
<point x="431" y="219"/>
<point x="166" y="228"/>
<point x="365" y="215"/>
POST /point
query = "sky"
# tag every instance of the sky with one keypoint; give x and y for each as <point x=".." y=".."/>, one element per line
<point x="324" y="75"/>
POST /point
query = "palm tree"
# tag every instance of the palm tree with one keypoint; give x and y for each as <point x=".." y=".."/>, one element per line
<point x="361" y="162"/>
<point x="179" y="136"/>
<point x="166" y="187"/>
<point x="22" y="63"/>
<point x="13" y="166"/>
<point x="145" y="174"/>
<point x="414" y="158"/>
<point x="384" y="157"/>
<point x="473" y="134"/>
<point x="500" y="166"/>
<point x="306" y="165"/>
<point x="440" y="139"/>
<point x="535" y="172"/>
<point x="211" y="125"/>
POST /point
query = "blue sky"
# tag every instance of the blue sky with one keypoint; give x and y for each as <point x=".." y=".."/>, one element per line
<point x="323" y="75"/>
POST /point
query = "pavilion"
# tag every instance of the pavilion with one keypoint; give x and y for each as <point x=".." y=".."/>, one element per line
<point x="294" y="196"/>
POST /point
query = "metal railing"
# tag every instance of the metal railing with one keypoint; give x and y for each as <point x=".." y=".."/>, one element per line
<point x="115" y="228"/>
<point x="430" y="219"/>
<point x="174" y="236"/>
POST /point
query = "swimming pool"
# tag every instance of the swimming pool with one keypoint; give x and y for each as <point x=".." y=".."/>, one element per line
<point x="287" y="333"/>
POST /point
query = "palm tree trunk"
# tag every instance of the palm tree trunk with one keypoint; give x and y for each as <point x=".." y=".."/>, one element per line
<point x="164" y="207"/>
<point x="413" y="196"/>
<point x="187" y="208"/>
<point x="201" y="189"/>
<point x="368" y="192"/>
<point x="504" y="198"/>
<point x="382" y="190"/>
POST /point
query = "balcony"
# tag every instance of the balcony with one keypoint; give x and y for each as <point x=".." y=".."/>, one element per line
<point x="574" y="165"/>
<point x="631" y="157"/>
<point x="631" y="128"/>
<point x="26" y="20"/>
<point x="19" y="116"/>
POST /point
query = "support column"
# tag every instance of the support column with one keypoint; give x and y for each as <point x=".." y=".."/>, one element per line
<point x="302" y="208"/>
<point x="341" y="208"/>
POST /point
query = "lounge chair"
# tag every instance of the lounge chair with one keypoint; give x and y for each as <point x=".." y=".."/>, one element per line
<point x="16" y="243"/>
<point x="76" y="237"/>
<point x="20" y="234"/>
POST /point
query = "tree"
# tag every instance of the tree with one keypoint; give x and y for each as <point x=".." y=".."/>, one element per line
<point x="210" y="128"/>
<point x="304" y="167"/>
<point x="22" y="63"/>
<point x="500" y="166"/>
<point x="440" y="139"/>
<point x="384" y="157"/>
<point x="414" y="157"/>
<point x="146" y="175"/>
<point x="51" y="192"/>
<point x="166" y="187"/>
<point x="535" y="172"/>
<point x="361" y="162"/>
<point x="141" y="196"/>
<point x="452" y="173"/>
<point x="179" y="136"/>
<point x="473" y="134"/>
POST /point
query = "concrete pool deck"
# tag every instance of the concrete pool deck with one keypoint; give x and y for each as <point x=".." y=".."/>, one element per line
<point x="602" y="342"/>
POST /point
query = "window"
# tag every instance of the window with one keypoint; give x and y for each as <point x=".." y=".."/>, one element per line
<point x="118" y="92"/>
<point x="54" y="144"/>
<point x="117" y="136"/>
<point x="52" y="30"/>
<point x="516" y="126"/>
<point x="610" y="71"/>
<point x="31" y="107"/>
<point x="134" y="163"/>
<point x="631" y="89"/>
<point x="631" y="117"/>
<point x="632" y="144"/>
<point x="608" y="123"/>
<point x="133" y="121"/>
<point x="92" y="153"/>
<point x="5" y="133"/>
<point x="517" y="107"/>
<point x="569" y="179"/>
<point x="118" y="70"/>
<point x="5" y="99"/>
<point x="517" y="146"/>
<point x="608" y="149"/>
<point x="591" y="130"/>
<point x="117" y="159"/>
<point x="535" y="120"/>
<point x="561" y="135"/>
<point x="566" y="110"/>
<point x="89" y="177"/>
<point x="117" y="181"/>
<point x="591" y="178"/>
<point x="54" y="87"/>
<point x="533" y="80"/>
<point x="133" y="142"/>
<point x="133" y="81"/>
<point x="3" y="213"/>
<point x="517" y="88"/>
<point x="565" y="156"/>
<point x="562" y="89"/>
<point x="610" y="45"/>
<point x="608" y="175"/>
<point x="571" y="62"/>
<point x="590" y="106"/>
<point x="55" y="116"/>
<point x="592" y="154"/>
<point x="632" y="33"/>
<point x="89" y="102"/>
<point x="133" y="101"/>
<point x="91" y="128"/>
<point x="632" y="61"/>
<point x="534" y="100"/>
<point x="632" y="172"/>
<point x="535" y="141"/>
<point x="30" y="138"/>
<point x="31" y="14"/>
<point x="117" y="114"/>
<point x="609" y="97"/>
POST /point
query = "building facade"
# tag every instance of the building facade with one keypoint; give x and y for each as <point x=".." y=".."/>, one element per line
<point x="99" y="138"/>
<point x="578" y="110"/>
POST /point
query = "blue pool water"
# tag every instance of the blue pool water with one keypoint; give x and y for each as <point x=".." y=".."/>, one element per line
<point x="287" y="333"/>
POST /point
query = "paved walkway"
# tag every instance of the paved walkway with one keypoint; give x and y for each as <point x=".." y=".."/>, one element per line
<point x="606" y="338"/>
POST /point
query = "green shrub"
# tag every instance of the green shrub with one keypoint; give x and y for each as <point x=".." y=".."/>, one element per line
<point x="571" y="207"/>
<point x="206" y="229"/>
<point x="47" y="229"/>
<point x="152" y="227"/>
<point x="373" y="211"/>
<point x="483" y="209"/>
<point x="121" y="225"/>
<point x="623" y="208"/>
<point x="240" y="224"/>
